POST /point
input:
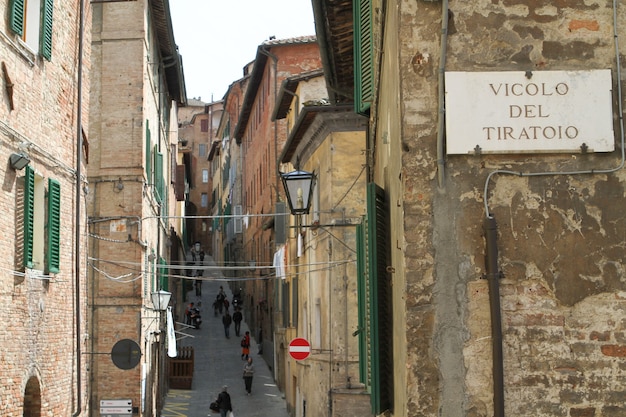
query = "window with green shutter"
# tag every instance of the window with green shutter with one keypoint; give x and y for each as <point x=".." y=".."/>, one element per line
<point x="32" y="21"/>
<point x="53" y="258"/>
<point x="363" y="56"/>
<point x="42" y="223"/>
<point x="375" y="313"/>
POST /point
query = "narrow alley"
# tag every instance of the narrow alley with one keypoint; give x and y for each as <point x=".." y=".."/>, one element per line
<point x="218" y="362"/>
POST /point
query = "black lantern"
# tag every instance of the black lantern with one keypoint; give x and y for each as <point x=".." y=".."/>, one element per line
<point x="18" y="160"/>
<point x="299" y="189"/>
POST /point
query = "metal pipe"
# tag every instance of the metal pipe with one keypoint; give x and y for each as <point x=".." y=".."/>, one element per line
<point x="441" y="91"/>
<point x="77" y="251"/>
<point x="493" y="275"/>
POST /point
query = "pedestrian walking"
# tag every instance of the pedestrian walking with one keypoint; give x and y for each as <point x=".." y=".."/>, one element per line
<point x="245" y="346"/>
<point x="237" y="318"/>
<point x="248" y="373"/>
<point x="219" y="300"/>
<point x="188" y="313"/>
<point x="223" y="402"/>
<point x="227" y="320"/>
<point x="198" y="285"/>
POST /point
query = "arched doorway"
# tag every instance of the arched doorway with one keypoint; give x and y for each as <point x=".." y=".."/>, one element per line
<point x="32" y="398"/>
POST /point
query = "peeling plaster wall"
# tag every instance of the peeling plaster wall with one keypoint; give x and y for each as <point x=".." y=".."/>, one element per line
<point x="561" y="238"/>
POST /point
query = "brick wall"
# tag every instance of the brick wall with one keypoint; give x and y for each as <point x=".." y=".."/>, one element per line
<point x="37" y="339"/>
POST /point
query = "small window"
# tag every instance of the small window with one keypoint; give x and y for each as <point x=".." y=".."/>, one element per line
<point x="202" y="149"/>
<point x="204" y="125"/>
<point x="205" y="176"/>
<point x="204" y="201"/>
<point x="32" y="21"/>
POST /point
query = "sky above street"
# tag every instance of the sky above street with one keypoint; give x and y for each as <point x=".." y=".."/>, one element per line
<point x="218" y="38"/>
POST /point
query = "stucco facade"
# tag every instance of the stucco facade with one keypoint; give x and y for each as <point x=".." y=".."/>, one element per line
<point x="558" y="257"/>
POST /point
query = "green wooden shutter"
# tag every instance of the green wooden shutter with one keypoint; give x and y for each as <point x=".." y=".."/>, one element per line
<point x="163" y="281"/>
<point x="53" y="255"/>
<point x="148" y="154"/>
<point x="380" y="299"/>
<point x="16" y="16"/>
<point x="363" y="296"/>
<point x="46" y="29"/>
<point x="159" y="183"/>
<point x="29" y="215"/>
<point x="363" y="56"/>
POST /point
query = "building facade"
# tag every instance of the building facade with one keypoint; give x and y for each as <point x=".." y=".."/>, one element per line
<point x="226" y="198"/>
<point x="198" y="129"/>
<point x="320" y="254"/>
<point x="499" y="272"/>
<point x="137" y="85"/>
<point x="261" y="139"/>
<point x="44" y="114"/>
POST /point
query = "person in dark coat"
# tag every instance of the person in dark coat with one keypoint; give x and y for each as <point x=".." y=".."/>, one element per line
<point x="237" y="318"/>
<point x="223" y="402"/>
<point x="226" y="321"/>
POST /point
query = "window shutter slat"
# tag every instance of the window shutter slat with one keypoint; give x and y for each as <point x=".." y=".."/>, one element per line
<point x="53" y="260"/>
<point x="46" y="29"/>
<point x="16" y="17"/>
<point x="29" y="215"/>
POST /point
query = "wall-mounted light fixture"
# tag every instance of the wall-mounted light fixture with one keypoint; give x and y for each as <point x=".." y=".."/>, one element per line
<point x="299" y="189"/>
<point x="19" y="160"/>
<point x="160" y="300"/>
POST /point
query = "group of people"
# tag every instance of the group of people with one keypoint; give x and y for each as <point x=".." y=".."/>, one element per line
<point x="221" y="305"/>
<point x="223" y="403"/>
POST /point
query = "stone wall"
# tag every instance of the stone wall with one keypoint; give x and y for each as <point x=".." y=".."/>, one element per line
<point x="560" y="236"/>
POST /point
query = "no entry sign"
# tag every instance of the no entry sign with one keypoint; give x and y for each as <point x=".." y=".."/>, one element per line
<point x="299" y="348"/>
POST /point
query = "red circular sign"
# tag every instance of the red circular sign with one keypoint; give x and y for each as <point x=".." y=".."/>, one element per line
<point x="299" y="348"/>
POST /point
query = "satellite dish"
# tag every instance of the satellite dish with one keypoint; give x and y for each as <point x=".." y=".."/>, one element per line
<point x="126" y="354"/>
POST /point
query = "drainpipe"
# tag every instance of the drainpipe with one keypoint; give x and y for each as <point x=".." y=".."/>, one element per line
<point x="442" y="69"/>
<point x="493" y="275"/>
<point x="77" y="252"/>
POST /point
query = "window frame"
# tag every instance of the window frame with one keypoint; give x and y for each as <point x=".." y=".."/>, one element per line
<point x="37" y="37"/>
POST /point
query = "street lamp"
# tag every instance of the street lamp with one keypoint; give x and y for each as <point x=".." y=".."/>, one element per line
<point x="160" y="300"/>
<point x="299" y="189"/>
